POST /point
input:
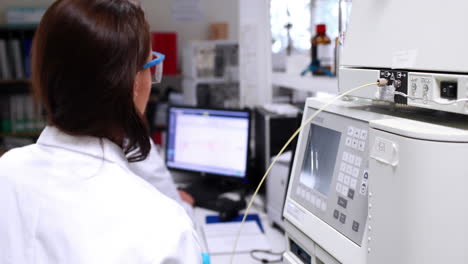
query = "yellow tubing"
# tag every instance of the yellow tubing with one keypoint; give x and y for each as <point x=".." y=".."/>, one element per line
<point x="281" y="152"/>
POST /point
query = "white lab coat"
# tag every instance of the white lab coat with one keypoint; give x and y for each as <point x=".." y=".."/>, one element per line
<point x="73" y="200"/>
<point x="153" y="170"/>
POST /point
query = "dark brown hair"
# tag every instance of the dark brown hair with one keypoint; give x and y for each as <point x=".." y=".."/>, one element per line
<point x="85" y="58"/>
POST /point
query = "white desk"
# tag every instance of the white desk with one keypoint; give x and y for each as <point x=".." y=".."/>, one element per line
<point x="274" y="237"/>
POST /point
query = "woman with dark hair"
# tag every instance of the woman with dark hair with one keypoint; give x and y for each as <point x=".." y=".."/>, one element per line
<point x="75" y="196"/>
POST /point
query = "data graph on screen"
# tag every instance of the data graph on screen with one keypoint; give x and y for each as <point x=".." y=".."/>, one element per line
<point x="211" y="141"/>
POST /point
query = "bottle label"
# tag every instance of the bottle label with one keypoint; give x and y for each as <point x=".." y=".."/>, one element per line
<point x="325" y="54"/>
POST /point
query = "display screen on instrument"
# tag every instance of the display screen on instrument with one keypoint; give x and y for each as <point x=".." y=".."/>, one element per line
<point x="319" y="158"/>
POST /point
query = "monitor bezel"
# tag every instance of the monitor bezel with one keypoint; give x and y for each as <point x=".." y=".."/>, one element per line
<point x="210" y="175"/>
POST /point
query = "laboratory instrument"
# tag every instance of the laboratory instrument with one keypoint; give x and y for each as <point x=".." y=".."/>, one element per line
<point x="272" y="130"/>
<point x="276" y="186"/>
<point x="418" y="46"/>
<point x="372" y="185"/>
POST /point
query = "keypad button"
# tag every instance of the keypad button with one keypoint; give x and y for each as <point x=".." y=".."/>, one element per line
<point x="324" y="206"/>
<point x="308" y="196"/>
<point x="349" y="142"/>
<point x="339" y="186"/>
<point x="357" y="133"/>
<point x="365" y="176"/>
<point x="353" y="183"/>
<point x="344" y="190"/>
<point x="341" y="177"/>
<point x="362" y="145"/>
<point x="343" y="167"/>
<point x="355" y="226"/>
<point x="354" y="144"/>
<point x="347" y="179"/>
<point x="349" y="169"/>
<point x="336" y="214"/>
<point x="350" y="131"/>
<point x="363" y="188"/>
<point x="345" y="156"/>
<point x="318" y="203"/>
<point x="303" y="193"/>
<point x="342" y="202"/>
<point x="363" y="134"/>
<point x="358" y="161"/>
<point x="351" y="194"/>
<point x="342" y="218"/>
<point x="355" y="172"/>
<point x="312" y="199"/>
<point x="351" y="158"/>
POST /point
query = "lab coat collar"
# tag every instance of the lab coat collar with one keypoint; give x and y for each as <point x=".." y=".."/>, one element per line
<point x="100" y="148"/>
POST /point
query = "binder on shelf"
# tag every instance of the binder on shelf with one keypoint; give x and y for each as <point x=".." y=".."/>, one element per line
<point x="39" y="119"/>
<point x="5" y="120"/>
<point x="5" y="73"/>
<point x="16" y="59"/>
<point x="20" y="114"/>
<point x="12" y="113"/>
<point x="15" y="53"/>
<point x="20" y="117"/>
<point x="29" y="124"/>
<point x="27" y="45"/>
<point x="15" y="114"/>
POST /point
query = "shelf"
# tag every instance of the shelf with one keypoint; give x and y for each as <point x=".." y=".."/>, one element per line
<point x="21" y="134"/>
<point x="19" y="27"/>
<point x="19" y="81"/>
<point x="305" y="83"/>
<point x="210" y="80"/>
<point x="177" y="75"/>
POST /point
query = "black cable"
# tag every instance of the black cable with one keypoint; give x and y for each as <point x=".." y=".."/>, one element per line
<point x="264" y="260"/>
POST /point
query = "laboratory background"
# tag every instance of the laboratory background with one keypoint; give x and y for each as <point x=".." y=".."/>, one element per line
<point x="356" y="109"/>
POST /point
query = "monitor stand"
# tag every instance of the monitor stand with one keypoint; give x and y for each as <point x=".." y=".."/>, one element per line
<point x="206" y="192"/>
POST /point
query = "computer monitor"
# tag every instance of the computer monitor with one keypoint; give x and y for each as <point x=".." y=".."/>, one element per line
<point x="208" y="141"/>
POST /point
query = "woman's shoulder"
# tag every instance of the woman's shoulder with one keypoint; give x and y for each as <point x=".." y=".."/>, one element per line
<point x="18" y="170"/>
<point x="160" y="203"/>
<point x="17" y="156"/>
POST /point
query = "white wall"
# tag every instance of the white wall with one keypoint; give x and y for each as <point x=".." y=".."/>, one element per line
<point x="159" y="16"/>
<point x="158" y="13"/>
<point x="255" y="52"/>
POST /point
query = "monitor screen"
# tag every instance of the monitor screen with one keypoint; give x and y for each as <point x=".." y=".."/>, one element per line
<point x="208" y="141"/>
<point x="319" y="159"/>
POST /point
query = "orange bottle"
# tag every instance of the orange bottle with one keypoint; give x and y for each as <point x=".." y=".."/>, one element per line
<point x="322" y="50"/>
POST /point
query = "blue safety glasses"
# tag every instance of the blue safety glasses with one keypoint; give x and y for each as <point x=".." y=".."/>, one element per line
<point x="157" y="63"/>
